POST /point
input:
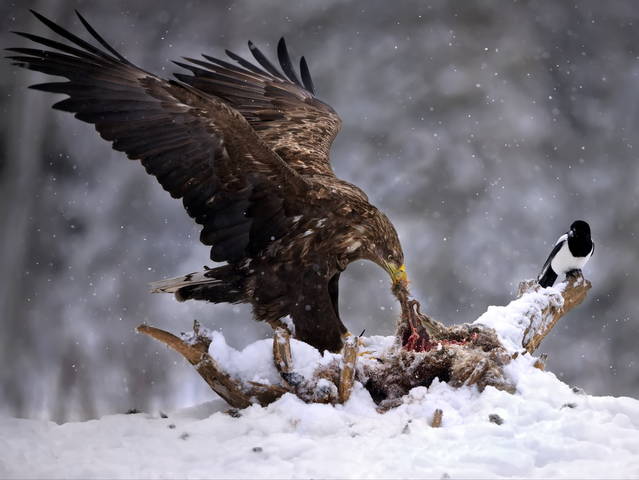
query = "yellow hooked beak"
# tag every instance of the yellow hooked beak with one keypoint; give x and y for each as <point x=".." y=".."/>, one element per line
<point x="398" y="274"/>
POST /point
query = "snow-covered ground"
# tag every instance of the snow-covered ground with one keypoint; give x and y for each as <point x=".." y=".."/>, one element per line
<point x="547" y="430"/>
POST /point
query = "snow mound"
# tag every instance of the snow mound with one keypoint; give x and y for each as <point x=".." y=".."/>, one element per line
<point x="546" y="429"/>
<point x="512" y="321"/>
<point x="255" y="362"/>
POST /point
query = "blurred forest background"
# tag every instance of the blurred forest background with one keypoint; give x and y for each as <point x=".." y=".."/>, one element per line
<point x="483" y="129"/>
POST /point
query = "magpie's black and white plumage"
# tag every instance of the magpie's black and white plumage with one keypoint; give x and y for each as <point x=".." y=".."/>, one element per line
<point x="571" y="252"/>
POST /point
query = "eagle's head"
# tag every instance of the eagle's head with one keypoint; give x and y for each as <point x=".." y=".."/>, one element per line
<point x="385" y="250"/>
<point x="392" y="260"/>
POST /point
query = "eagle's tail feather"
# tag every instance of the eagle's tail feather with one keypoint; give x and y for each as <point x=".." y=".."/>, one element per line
<point x="218" y="285"/>
<point x="171" y="285"/>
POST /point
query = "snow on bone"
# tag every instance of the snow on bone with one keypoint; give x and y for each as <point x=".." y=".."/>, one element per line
<point x="525" y="314"/>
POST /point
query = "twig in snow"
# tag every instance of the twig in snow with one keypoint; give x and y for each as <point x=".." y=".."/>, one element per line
<point x="437" y="418"/>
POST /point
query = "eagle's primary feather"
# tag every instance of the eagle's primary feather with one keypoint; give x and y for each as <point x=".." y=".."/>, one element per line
<point x="246" y="148"/>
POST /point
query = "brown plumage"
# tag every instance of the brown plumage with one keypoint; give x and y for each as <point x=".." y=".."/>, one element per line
<point x="246" y="148"/>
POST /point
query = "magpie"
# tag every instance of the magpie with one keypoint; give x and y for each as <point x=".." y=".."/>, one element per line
<point x="571" y="252"/>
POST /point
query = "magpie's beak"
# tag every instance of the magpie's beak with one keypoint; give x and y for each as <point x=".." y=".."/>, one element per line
<point x="571" y="233"/>
<point x="398" y="274"/>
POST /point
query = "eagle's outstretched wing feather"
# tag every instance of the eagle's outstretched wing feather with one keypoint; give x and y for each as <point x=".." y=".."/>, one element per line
<point x="283" y="111"/>
<point x="199" y="148"/>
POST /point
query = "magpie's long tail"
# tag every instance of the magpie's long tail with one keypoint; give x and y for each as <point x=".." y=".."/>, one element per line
<point x="548" y="278"/>
<point x="218" y="285"/>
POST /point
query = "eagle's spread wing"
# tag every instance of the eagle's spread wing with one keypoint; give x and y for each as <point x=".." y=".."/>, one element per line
<point x="199" y="148"/>
<point x="282" y="109"/>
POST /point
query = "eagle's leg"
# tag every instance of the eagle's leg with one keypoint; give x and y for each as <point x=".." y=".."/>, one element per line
<point x="283" y="359"/>
<point x="347" y="373"/>
<point x="314" y="312"/>
<point x="308" y="390"/>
